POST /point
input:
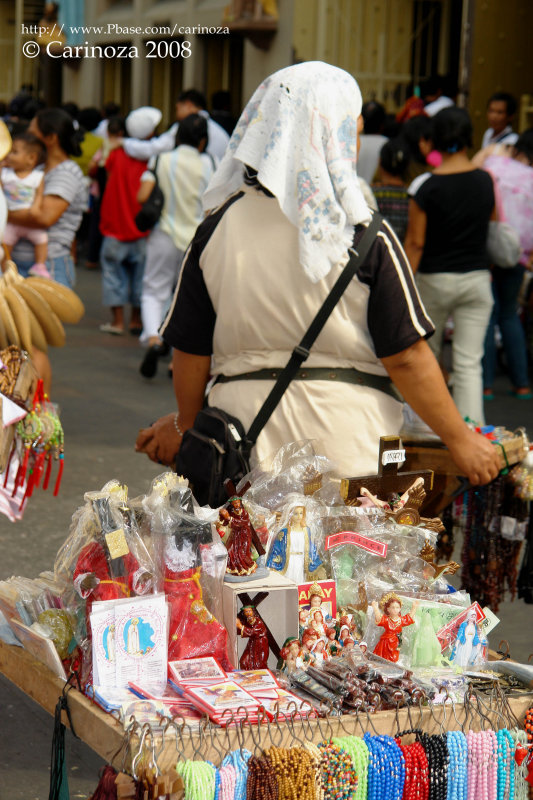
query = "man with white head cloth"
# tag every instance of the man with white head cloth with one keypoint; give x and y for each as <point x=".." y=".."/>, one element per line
<point x="285" y="207"/>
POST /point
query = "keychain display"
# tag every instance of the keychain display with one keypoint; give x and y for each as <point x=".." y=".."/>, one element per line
<point x="38" y="441"/>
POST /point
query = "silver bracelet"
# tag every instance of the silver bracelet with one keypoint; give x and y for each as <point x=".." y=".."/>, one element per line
<point x="176" y="425"/>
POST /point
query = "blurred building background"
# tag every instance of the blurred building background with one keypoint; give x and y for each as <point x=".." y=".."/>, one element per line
<point x="388" y="45"/>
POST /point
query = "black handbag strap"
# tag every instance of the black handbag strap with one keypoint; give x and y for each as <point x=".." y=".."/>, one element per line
<point x="302" y="350"/>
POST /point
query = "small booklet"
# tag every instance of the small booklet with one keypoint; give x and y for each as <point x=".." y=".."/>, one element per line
<point x="259" y="682"/>
<point x="225" y="702"/>
<point x="109" y="699"/>
<point x="196" y="671"/>
<point x="287" y="704"/>
<point x="141" y="641"/>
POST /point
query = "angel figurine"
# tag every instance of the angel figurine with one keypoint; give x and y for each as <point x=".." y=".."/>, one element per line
<point x="294" y="553"/>
<point x="387" y="614"/>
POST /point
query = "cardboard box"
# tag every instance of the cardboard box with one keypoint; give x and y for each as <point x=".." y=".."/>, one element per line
<point x="279" y="611"/>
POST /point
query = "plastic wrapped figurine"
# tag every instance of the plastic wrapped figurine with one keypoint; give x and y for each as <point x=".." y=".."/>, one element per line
<point x="303" y="620"/>
<point x="294" y="553"/>
<point x="387" y="615"/>
<point x="241" y="539"/>
<point x="427" y="651"/>
<point x="107" y="567"/>
<point x="250" y="625"/>
<point x="316" y="619"/>
<point x="290" y="655"/>
<point x="316" y="598"/>
<point x="309" y="639"/>
<point x="333" y="647"/>
<point x="319" y="652"/>
<point x="184" y="543"/>
<point x="467" y="644"/>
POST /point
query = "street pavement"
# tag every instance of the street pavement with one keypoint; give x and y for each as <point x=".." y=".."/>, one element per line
<point x="104" y="401"/>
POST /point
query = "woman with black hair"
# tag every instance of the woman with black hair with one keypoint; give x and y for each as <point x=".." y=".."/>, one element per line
<point x="391" y="189"/>
<point x="65" y="197"/>
<point x="446" y="243"/>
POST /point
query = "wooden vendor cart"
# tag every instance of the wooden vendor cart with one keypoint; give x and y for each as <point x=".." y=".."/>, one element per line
<point x="105" y="734"/>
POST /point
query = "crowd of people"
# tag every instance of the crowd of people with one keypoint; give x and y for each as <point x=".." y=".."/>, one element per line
<point x="252" y="221"/>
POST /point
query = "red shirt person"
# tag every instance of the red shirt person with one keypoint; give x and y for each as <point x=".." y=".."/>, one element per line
<point x="123" y="252"/>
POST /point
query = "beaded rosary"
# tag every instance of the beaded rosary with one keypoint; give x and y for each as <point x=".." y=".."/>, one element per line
<point x="484" y="765"/>
<point x="457" y="767"/>
<point x="416" y="786"/>
<point x="339" y="780"/>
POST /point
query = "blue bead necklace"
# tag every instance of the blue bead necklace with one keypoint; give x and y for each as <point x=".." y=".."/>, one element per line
<point x="457" y="768"/>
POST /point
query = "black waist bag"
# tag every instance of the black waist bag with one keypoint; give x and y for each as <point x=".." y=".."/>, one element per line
<point x="217" y="447"/>
<point x="152" y="208"/>
<point x="210" y="453"/>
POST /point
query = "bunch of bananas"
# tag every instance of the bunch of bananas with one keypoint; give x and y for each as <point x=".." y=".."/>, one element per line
<point x="32" y="310"/>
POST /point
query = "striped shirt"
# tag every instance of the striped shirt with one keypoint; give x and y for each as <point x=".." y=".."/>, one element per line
<point x="65" y="181"/>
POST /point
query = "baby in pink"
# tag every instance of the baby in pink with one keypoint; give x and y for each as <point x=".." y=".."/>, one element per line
<point x="22" y="184"/>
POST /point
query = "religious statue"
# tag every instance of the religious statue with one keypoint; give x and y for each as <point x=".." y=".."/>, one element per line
<point x="250" y="625"/>
<point x="467" y="644"/>
<point x="387" y="614"/>
<point x="294" y="553"/>
<point x="290" y="655"/>
<point x="309" y="639"/>
<point x="317" y="622"/>
<point x="240" y="539"/>
<point x="319" y="652"/>
<point x="180" y="537"/>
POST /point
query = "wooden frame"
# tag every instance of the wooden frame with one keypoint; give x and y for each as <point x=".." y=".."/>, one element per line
<point x="104" y="734"/>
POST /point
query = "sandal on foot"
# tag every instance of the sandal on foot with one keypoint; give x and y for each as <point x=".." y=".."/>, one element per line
<point x="113" y="329"/>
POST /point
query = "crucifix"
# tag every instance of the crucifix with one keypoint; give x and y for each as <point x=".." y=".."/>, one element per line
<point x="399" y="494"/>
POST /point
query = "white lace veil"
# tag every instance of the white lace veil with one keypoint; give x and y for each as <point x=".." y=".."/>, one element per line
<point x="299" y="131"/>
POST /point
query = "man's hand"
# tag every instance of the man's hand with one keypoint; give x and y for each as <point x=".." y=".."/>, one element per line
<point x="160" y="441"/>
<point x="476" y="457"/>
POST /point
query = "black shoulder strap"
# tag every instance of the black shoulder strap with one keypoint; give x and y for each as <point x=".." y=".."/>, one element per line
<point x="301" y="351"/>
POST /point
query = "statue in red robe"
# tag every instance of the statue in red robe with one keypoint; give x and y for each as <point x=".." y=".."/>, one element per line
<point x="237" y="532"/>
<point x="256" y="652"/>
<point x="387" y="615"/>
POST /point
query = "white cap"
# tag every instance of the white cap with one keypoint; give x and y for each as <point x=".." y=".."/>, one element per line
<point x="141" y="123"/>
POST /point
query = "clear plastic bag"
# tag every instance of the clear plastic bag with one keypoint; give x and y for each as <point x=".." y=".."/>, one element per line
<point x="297" y="550"/>
<point x="189" y="558"/>
<point x="296" y="467"/>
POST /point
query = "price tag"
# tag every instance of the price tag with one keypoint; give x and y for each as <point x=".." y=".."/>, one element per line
<point x="351" y="537"/>
<point x="490" y="621"/>
<point x="393" y="457"/>
<point x="116" y="543"/>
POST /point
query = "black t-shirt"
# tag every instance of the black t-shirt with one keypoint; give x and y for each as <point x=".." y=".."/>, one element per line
<point x="458" y="208"/>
